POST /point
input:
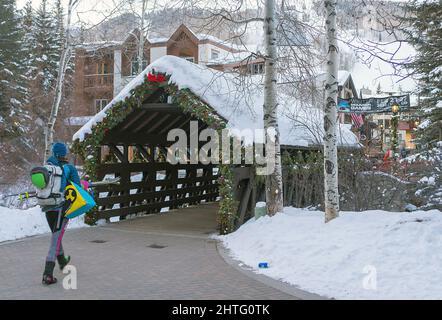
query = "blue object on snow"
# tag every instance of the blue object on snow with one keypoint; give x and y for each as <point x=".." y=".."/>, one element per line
<point x="263" y="265"/>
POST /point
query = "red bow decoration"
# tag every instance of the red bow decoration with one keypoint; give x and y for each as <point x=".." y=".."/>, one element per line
<point x="155" y="77"/>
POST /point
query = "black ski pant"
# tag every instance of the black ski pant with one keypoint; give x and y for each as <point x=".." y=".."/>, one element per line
<point x="57" y="223"/>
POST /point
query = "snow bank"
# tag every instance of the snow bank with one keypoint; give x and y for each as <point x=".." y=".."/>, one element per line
<point x="368" y="255"/>
<point x="16" y="223"/>
<point x="240" y="103"/>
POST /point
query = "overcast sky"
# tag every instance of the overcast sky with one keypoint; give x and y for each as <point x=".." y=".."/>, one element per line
<point x="89" y="11"/>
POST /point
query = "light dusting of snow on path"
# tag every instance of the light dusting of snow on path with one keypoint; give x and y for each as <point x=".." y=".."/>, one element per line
<point x="402" y="251"/>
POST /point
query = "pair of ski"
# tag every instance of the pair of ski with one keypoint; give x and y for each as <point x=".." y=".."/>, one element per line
<point x="30" y="194"/>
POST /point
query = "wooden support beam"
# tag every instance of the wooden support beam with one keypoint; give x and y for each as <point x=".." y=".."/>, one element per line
<point x="168" y="127"/>
<point x="186" y="122"/>
<point x="137" y="138"/>
<point x="158" y="196"/>
<point x="131" y="119"/>
<point x="151" y="183"/>
<point x="148" y="207"/>
<point x="162" y="107"/>
<point x="121" y="156"/>
<point x="143" y="152"/>
<point x="144" y="122"/>
<point x="158" y="123"/>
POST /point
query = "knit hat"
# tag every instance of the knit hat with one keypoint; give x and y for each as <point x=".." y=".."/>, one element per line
<point x="59" y="149"/>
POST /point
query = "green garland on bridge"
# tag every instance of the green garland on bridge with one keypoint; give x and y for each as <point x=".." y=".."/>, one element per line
<point x="88" y="149"/>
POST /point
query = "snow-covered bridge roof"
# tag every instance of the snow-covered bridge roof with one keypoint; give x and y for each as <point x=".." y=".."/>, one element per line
<point x="238" y="102"/>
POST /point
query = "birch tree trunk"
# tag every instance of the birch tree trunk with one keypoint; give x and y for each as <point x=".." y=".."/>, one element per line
<point x="330" y="117"/>
<point x="274" y="195"/>
<point x="141" y="40"/>
<point x="64" y="59"/>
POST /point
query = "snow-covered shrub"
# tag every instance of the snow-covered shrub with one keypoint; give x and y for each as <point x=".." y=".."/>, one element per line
<point x="427" y="172"/>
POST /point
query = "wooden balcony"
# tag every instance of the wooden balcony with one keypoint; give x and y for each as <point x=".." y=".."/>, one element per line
<point x="95" y="81"/>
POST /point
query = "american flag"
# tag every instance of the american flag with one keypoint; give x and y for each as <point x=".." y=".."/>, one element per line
<point x="358" y="119"/>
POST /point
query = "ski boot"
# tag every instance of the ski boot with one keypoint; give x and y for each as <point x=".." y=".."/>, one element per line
<point x="48" y="277"/>
<point x="63" y="261"/>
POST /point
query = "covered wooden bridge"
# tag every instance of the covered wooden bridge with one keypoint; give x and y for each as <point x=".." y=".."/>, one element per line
<point x="128" y="139"/>
<point x="138" y="149"/>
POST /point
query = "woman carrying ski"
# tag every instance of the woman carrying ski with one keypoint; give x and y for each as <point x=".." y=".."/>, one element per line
<point x="55" y="215"/>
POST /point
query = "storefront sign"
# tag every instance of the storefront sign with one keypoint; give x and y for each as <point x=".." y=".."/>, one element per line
<point x="373" y="105"/>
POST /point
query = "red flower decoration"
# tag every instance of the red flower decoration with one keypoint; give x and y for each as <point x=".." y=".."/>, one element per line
<point x="161" y="78"/>
<point x="155" y="77"/>
<point x="151" y="77"/>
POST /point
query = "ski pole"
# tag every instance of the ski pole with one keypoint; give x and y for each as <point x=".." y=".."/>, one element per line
<point x="26" y="195"/>
<point x="23" y="195"/>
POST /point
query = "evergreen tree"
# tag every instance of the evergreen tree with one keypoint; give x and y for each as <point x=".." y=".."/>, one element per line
<point x="12" y="82"/>
<point x="28" y="39"/>
<point x="47" y="51"/>
<point x="58" y="14"/>
<point x="60" y="37"/>
<point x="425" y="35"/>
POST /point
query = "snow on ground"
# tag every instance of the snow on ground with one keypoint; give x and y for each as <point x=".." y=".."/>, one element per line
<point x="368" y="255"/>
<point x="16" y="223"/>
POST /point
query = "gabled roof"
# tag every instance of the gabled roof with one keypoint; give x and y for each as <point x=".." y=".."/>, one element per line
<point x="299" y="123"/>
<point x="200" y="38"/>
<point x="98" y="45"/>
<point x="344" y="79"/>
<point x="183" y="29"/>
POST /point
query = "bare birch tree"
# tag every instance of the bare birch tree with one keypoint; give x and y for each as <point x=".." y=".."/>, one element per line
<point x="274" y="195"/>
<point x="64" y="59"/>
<point x="330" y="116"/>
<point x="141" y="38"/>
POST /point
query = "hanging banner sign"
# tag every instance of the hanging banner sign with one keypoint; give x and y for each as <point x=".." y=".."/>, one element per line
<point x="373" y="105"/>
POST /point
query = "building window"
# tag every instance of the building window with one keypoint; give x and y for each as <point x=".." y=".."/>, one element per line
<point x="134" y="66"/>
<point x="190" y="59"/>
<point x="214" y="54"/>
<point x="100" y="104"/>
<point x="103" y="68"/>
<point x="255" y="68"/>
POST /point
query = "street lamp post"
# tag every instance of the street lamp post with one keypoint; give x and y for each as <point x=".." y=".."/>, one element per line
<point x="382" y="136"/>
<point x="394" y="122"/>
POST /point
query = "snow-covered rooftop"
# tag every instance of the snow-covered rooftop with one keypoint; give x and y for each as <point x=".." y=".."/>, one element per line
<point x="157" y="40"/>
<point x="343" y="76"/>
<point x="77" y="121"/>
<point x="239" y="103"/>
<point x="93" y="46"/>
<point x="208" y="37"/>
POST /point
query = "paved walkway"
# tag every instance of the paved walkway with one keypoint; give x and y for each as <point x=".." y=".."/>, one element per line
<point x="168" y="256"/>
